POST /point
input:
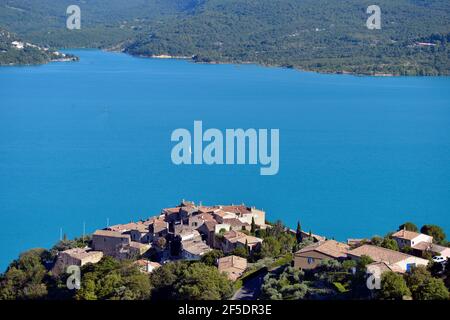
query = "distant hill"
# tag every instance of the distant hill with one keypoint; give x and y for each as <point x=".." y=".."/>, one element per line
<point x="14" y="51"/>
<point x="103" y="22"/>
<point x="318" y="35"/>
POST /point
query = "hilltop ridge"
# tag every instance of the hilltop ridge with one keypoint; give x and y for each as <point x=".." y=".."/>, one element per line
<point x="322" y="35"/>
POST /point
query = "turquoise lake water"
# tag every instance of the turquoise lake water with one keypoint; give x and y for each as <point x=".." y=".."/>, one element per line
<point x="86" y="141"/>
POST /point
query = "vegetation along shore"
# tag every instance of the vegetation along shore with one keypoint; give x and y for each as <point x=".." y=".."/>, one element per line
<point x="197" y="252"/>
<point x="313" y="35"/>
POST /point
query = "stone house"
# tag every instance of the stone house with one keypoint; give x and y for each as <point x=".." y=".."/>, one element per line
<point x="395" y="260"/>
<point x="110" y="242"/>
<point x="76" y="256"/>
<point x="232" y="239"/>
<point x="208" y="232"/>
<point x="311" y="256"/>
<point x="405" y="238"/>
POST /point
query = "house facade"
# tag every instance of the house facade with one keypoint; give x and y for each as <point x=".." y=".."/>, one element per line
<point x="398" y="261"/>
<point x="311" y="256"/>
<point x="405" y="238"/>
<point x="233" y="239"/>
<point x="110" y="242"/>
<point x="76" y="256"/>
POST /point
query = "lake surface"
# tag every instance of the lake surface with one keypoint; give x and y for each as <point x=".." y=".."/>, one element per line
<point x="86" y="141"/>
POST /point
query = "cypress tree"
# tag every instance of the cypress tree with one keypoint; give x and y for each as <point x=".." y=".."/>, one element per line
<point x="298" y="233"/>
<point x="253" y="226"/>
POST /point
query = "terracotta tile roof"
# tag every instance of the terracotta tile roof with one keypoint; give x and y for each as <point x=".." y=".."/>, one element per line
<point x="210" y="225"/>
<point x="239" y="209"/>
<point x="236" y="236"/>
<point x="223" y="213"/>
<point x="314" y="236"/>
<point x="355" y="242"/>
<point x="143" y="263"/>
<point x="171" y="210"/>
<point x="189" y="204"/>
<point x="383" y="267"/>
<point x="196" y="247"/>
<point x="426" y="246"/>
<point x="186" y="233"/>
<point x="206" y="209"/>
<point x="405" y="234"/>
<point x="123" y="227"/>
<point x="330" y="248"/>
<point x="232" y="262"/>
<point x="109" y="233"/>
<point x="204" y="217"/>
<point x="81" y="253"/>
<point x="233" y="235"/>
<point x="379" y="254"/>
<point x="236" y="223"/>
<point x="158" y="225"/>
<point x="139" y="226"/>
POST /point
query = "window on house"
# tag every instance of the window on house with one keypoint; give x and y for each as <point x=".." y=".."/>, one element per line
<point x="409" y="266"/>
<point x="310" y="260"/>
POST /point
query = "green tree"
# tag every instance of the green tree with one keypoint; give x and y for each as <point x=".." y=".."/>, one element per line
<point x="190" y="281"/>
<point x="25" y="277"/>
<point x="280" y="241"/>
<point x="348" y="265"/>
<point x="210" y="258"/>
<point x="389" y="243"/>
<point x="111" y="279"/>
<point x="409" y="226"/>
<point x="424" y="287"/>
<point x="377" y="241"/>
<point x="306" y="241"/>
<point x="241" y="251"/>
<point x="363" y="261"/>
<point x="433" y="289"/>
<point x="286" y="286"/>
<point x="407" y="250"/>
<point x="393" y="286"/>
<point x="271" y="247"/>
<point x="435" y="231"/>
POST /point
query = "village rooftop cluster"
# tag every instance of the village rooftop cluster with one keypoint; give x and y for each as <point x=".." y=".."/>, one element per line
<point x="189" y="231"/>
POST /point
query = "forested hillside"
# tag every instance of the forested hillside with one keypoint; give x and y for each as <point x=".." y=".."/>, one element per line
<point x="15" y="51"/>
<point x="319" y="35"/>
<point x="103" y="22"/>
